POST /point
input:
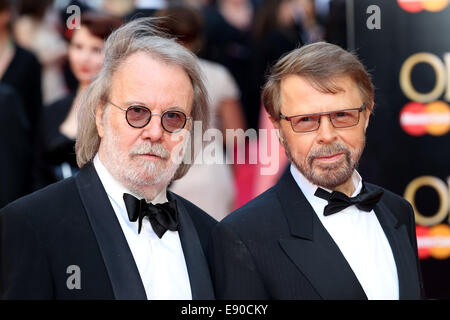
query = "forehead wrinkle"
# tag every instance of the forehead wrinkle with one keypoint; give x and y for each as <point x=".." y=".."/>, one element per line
<point x="301" y="96"/>
<point x="138" y="91"/>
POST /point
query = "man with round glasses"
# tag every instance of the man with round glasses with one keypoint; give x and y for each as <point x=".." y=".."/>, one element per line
<point x="321" y="232"/>
<point x="114" y="231"/>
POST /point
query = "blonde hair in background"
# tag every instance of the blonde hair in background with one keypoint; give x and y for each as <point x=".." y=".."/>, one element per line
<point x="138" y="35"/>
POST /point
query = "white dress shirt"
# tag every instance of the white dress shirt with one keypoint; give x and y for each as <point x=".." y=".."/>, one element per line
<point x="160" y="262"/>
<point x="361" y="239"/>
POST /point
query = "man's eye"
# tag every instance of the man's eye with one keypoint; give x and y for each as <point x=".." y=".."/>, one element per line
<point x="172" y="115"/>
<point x="137" y="110"/>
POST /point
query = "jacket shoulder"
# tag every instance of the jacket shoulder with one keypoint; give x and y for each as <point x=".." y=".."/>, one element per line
<point x="203" y="222"/>
<point x="43" y="205"/>
<point x="397" y="204"/>
<point x="195" y="212"/>
<point x="389" y="195"/>
<point x="253" y="212"/>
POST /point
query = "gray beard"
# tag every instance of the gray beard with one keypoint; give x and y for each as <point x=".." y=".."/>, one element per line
<point x="137" y="174"/>
<point x="330" y="176"/>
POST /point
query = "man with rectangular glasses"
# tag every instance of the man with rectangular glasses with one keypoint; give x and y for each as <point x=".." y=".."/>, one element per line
<point x="114" y="231"/>
<point x="321" y="232"/>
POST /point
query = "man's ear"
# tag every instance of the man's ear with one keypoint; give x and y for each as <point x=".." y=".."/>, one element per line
<point x="99" y="120"/>
<point x="367" y="112"/>
<point x="276" y="124"/>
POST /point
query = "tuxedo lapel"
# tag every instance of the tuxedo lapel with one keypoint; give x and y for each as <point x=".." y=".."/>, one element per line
<point x="199" y="275"/>
<point x="312" y="249"/>
<point x="122" y="270"/>
<point x="402" y="251"/>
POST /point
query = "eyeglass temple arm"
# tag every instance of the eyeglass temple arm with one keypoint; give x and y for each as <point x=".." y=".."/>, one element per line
<point x="115" y="105"/>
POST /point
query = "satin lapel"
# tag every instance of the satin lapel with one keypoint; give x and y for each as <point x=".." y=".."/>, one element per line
<point x="402" y="251"/>
<point x="312" y="249"/>
<point x="122" y="270"/>
<point x="198" y="270"/>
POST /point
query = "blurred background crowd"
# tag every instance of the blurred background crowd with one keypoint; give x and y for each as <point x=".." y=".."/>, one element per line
<point x="45" y="64"/>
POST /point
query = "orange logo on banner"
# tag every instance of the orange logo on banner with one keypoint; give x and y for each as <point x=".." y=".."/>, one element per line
<point x="419" y="5"/>
<point x="433" y="118"/>
<point x="433" y="241"/>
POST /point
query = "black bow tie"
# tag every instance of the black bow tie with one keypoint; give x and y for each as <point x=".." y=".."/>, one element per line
<point x="162" y="216"/>
<point x="338" y="201"/>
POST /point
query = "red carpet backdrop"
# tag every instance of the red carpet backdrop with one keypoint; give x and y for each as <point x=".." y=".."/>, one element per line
<point x="406" y="46"/>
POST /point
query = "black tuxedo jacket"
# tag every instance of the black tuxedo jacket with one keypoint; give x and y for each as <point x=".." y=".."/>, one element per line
<point x="275" y="247"/>
<point x="72" y="223"/>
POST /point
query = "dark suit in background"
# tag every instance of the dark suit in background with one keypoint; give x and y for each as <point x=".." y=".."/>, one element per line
<point x="24" y="75"/>
<point x="15" y="147"/>
<point x="54" y="148"/>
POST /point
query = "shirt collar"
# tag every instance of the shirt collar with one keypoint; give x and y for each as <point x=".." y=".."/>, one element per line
<point x="115" y="189"/>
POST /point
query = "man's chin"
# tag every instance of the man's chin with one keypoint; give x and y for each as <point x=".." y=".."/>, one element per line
<point x="137" y="183"/>
<point x="149" y="175"/>
<point x="327" y="168"/>
<point x="329" y="178"/>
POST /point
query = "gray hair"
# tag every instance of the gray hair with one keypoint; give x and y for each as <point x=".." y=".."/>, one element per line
<point x="138" y="35"/>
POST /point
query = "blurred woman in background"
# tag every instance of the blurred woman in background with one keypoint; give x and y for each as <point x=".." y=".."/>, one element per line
<point x="59" y="124"/>
<point x="34" y="30"/>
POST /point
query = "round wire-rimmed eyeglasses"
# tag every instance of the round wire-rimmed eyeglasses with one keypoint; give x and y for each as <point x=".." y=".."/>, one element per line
<point x="138" y="116"/>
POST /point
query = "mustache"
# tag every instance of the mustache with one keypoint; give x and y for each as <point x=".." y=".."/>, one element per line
<point x="150" y="148"/>
<point x="328" y="150"/>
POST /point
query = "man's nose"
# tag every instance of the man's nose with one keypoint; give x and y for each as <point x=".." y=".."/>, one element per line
<point x="326" y="132"/>
<point x="153" y="130"/>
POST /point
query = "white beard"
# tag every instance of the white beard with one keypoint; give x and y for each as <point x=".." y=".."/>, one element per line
<point x="135" y="172"/>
